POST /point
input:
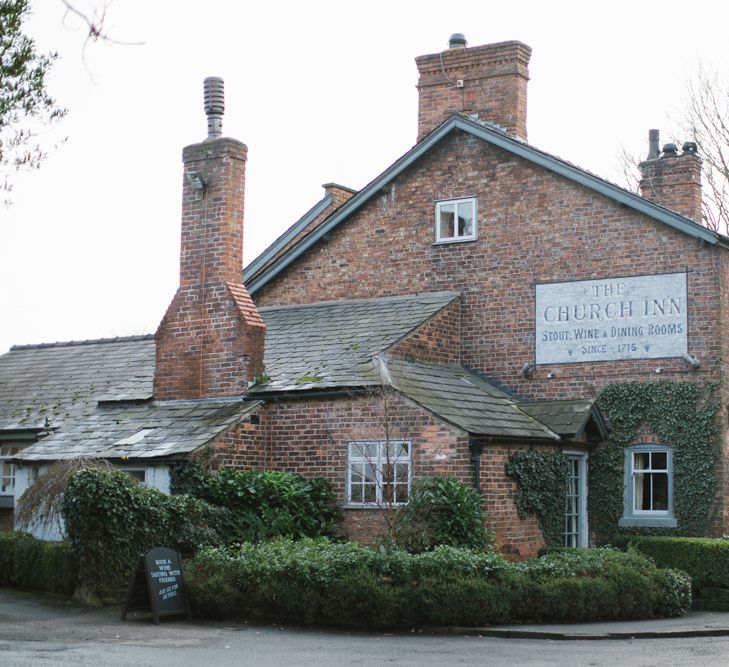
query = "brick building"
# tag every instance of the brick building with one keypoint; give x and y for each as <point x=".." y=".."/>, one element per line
<point x="470" y="302"/>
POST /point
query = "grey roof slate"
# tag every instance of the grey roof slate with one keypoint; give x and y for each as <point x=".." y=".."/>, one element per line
<point x="568" y="418"/>
<point x="62" y="381"/>
<point x="144" y="431"/>
<point x="331" y="344"/>
<point x="465" y="400"/>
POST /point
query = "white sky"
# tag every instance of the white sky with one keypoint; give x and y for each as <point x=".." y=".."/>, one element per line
<point x="319" y="91"/>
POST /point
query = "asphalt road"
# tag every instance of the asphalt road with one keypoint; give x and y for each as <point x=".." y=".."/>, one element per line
<point x="36" y="630"/>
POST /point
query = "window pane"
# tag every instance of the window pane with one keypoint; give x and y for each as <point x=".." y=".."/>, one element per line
<point x="447" y="221"/>
<point x="659" y="461"/>
<point x="465" y="219"/>
<point x="369" y="495"/>
<point x="401" y="493"/>
<point x="401" y="472"/>
<point x="641" y="460"/>
<point x="396" y="451"/>
<point x="357" y="473"/>
<point x="660" y="491"/>
<point x="642" y="491"/>
<point x="363" y="450"/>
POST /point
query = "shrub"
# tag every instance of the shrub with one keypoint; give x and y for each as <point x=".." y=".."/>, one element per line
<point x="111" y="519"/>
<point x="705" y="560"/>
<point x="316" y="581"/>
<point x="442" y="510"/>
<point x="30" y="563"/>
<point x="268" y="504"/>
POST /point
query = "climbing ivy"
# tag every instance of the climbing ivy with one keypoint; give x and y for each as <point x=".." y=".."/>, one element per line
<point x="682" y="415"/>
<point x="541" y="478"/>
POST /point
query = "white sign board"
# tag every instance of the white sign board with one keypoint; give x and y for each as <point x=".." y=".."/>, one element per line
<point x="638" y="317"/>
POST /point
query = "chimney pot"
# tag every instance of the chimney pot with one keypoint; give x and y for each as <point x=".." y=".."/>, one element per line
<point x="654" y="143"/>
<point x="214" y="95"/>
<point x="457" y="41"/>
<point x="670" y="150"/>
<point x="689" y="148"/>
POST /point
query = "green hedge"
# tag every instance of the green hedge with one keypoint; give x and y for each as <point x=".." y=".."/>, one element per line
<point x="705" y="560"/>
<point x="264" y="504"/>
<point x="29" y="563"/>
<point x="110" y="519"/>
<point x="346" y="585"/>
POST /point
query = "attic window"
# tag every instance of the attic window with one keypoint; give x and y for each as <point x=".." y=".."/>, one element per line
<point x="455" y="220"/>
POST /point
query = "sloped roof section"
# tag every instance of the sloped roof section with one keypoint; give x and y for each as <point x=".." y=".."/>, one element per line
<point x="568" y="418"/>
<point x="64" y="381"/>
<point x="496" y="137"/>
<point x="146" y="431"/>
<point x="331" y="344"/>
<point x="465" y="400"/>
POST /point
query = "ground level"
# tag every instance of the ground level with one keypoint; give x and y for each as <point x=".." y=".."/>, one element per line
<point x="37" y="629"/>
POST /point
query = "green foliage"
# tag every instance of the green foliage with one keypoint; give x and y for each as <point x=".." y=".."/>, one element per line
<point x="30" y="563"/>
<point x="267" y="504"/>
<point x="682" y="415"/>
<point x="315" y="581"/>
<point x="705" y="560"/>
<point x="442" y="511"/>
<point x="541" y="478"/>
<point x="111" y="519"/>
<point x="24" y="98"/>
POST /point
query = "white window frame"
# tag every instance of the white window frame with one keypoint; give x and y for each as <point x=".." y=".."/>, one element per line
<point x="633" y="517"/>
<point x="4" y="459"/>
<point x="456" y="202"/>
<point x="377" y="463"/>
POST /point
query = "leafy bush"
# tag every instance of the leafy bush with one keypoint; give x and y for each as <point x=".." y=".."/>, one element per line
<point x="316" y="581"/>
<point x="31" y="563"/>
<point x="268" y="504"/>
<point x="705" y="560"/>
<point x="111" y="519"/>
<point x="442" y="511"/>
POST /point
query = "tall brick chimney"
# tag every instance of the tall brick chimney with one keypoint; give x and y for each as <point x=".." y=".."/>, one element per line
<point x="210" y="342"/>
<point x="490" y="81"/>
<point x="671" y="179"/>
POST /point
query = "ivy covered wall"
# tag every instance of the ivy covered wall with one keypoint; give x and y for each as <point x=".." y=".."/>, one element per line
<point x="680" y="415"/>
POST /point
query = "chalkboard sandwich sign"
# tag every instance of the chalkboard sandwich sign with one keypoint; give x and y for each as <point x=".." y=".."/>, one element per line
<point x="157" y="585"/>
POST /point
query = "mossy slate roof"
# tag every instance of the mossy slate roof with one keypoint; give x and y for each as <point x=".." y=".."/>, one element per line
<point x="465" y="400"/>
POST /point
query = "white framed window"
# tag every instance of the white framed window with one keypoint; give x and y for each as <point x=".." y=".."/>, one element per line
<point x="378" y="472"/>
<point x="648" y="492"/>
<point x="7" y="468"/>
<point x="455" y="220"/>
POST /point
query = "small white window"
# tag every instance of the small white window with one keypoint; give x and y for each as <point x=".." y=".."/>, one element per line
<point x="378" y="472"/>
<point x="455" y="220"/>
<point x="7" y="468"/>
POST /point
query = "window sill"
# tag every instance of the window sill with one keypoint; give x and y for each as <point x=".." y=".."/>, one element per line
<point x="451" y="241"/>
<point x="648" y="522"/>
<point x="373" y="506"/>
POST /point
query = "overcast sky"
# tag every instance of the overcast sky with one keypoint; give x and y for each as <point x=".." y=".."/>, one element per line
<point x="319" y="91"/>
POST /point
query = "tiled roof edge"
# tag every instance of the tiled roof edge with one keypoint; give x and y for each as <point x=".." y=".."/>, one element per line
<point x="91" y="341"/>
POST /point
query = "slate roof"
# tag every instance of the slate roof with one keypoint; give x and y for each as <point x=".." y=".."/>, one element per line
<point x="331" y="344"/>
<point x="464" y="400"/>
<point x="64" y="381"/>
<point x="496" y="136"/>
<point x="140" y="431"/>
<point x="568" y="418"/>
<point x="94" y="398"/>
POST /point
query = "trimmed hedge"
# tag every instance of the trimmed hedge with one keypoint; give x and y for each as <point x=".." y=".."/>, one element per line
<point x="705" y="560"/>
<point x="29" y="563"/>
<point x="346" y="585"/>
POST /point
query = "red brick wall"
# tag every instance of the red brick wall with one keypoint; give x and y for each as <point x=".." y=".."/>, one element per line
<point x="6" y="519"/>
<point x="438" y="340"/>
<point x="309" y="437"/>
<point x="533" y="227"/>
